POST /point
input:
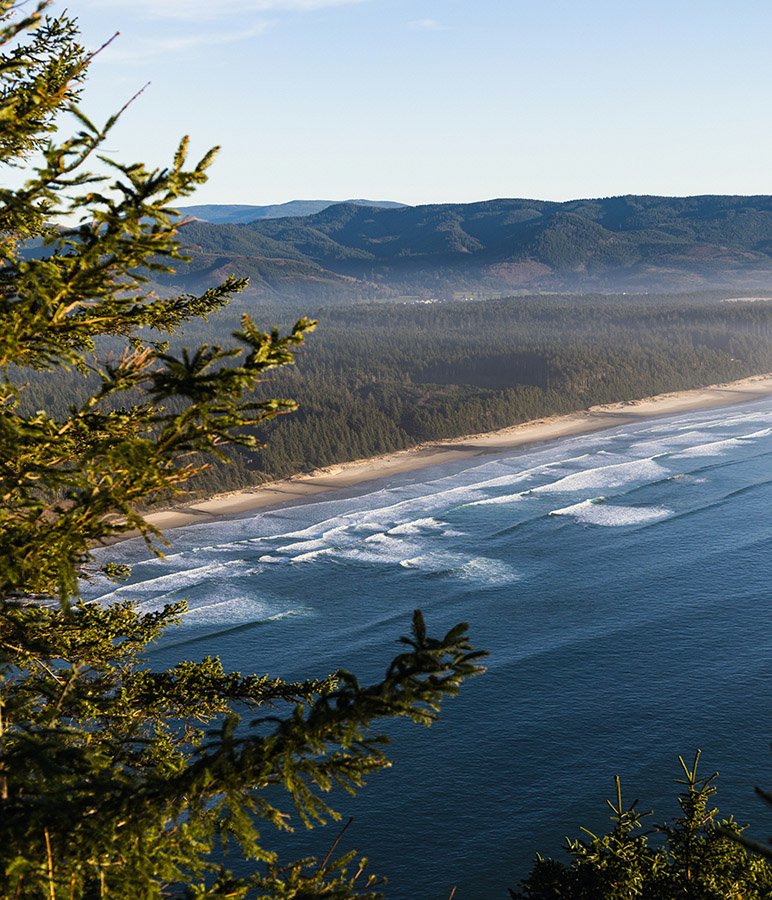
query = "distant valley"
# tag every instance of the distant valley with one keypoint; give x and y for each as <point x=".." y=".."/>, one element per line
<point x="359" y="250"/>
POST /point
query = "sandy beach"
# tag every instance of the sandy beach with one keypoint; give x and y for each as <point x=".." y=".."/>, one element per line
<point x="352" y="474"/>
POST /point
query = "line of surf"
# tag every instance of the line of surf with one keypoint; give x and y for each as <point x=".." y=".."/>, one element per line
<point x="350" y="475"/>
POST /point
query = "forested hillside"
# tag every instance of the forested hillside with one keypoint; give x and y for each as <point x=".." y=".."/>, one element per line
<point x="637" y="243"/>
<point x="382" y="377"/>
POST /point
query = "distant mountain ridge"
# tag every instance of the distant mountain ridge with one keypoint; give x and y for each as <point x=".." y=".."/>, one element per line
<point x="349" y="250"/>
<point x="234" y="213"/>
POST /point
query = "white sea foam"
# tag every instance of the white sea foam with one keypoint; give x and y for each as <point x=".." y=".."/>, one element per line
<point x="172" y="582"/>
<point x="556" y="467"/>
<point x="385" y="510"/>
<point x="596" y="512"/>
<point x="280" y="560"/>
<point x="321" y="531"/>
<point x="673" y="441"/>
<point x="531" y="472"/>
<point x="438" y="561"/>
<point x="483" y="570"/>
<point x="391" y="513"/>
<point x="224" y="602"/>
<point x="714" y="448"/>
<point x="376" y="547"/>
<point x="386" y="551"/>
<point x="239" y="610"/>
<point x="304" y="546"/>
<point x="763" y="432"/>
<point x="687" y="478"/>
<point x="480" y="570"/>
<point x="498" y="501"/>
<point x="380" y="537"/>
<point x="418" y="526"/>
<point x="405" y="524"/>
<point x="605" y="477"/>
<point x="704" y="444"/>
<point x="312" y="555"/>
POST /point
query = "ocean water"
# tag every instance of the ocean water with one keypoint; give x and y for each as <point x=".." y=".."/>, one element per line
<point x="621" y="582"/>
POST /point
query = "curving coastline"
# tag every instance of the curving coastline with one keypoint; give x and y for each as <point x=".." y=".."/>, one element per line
<point x="351" y="474"/>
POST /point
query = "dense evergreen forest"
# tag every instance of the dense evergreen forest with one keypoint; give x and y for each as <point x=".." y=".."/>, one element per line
<point x="387" y="376"/>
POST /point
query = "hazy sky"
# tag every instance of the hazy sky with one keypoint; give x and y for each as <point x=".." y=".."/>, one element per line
<point x="442" y="100"/>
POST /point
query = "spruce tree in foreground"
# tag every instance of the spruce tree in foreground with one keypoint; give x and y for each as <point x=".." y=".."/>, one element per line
<point x="696" y="856"/>
<point x="116" y="781"/>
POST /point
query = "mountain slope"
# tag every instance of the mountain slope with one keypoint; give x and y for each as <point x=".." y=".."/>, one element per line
<point x="618" y="243"/>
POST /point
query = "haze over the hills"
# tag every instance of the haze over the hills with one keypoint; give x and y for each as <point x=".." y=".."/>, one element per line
<point x="219" y="213"/>
<point x="355" y="251"/>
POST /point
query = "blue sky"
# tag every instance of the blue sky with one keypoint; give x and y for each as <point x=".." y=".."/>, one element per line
<point x="442" y="100"/>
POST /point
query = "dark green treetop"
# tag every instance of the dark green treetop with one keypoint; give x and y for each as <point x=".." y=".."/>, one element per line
<point x="697" y="855"/>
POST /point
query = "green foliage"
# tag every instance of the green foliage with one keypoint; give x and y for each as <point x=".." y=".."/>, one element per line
<point x="116" y="780"/>
<point x="129" y="777"/>
<point x="695" y="856"/>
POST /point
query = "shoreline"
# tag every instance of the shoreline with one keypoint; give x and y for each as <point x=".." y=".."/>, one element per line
<point x="433" y="453"/>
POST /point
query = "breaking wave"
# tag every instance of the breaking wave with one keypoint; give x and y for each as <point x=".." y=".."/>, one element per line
<point x="474" y="529"/>
<point x="596" y="512"/>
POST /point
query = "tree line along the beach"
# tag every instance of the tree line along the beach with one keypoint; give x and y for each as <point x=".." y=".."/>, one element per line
<point x="387" y="377"/>
<point x="383" y="377"/>
<point x="116" y="779"/>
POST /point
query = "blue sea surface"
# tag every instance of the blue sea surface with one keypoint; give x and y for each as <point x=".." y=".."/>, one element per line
<point x="620" y="580"/>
